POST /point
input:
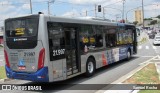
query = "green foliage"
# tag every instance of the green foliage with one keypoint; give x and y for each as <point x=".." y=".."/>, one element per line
<point x="153" y="22"/>
<point x="149" y="91"/>
<point x="158" y="17"/>
<point x="147" y="75"/>
<point x="2" y="72"/>
<point x="135" y="22"/>
<point x="148" y="19"/>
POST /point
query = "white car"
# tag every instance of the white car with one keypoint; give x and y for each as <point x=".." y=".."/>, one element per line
<point x="156" y="40"/>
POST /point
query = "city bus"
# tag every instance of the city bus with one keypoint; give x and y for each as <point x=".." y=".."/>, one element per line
<point x="44" y="48"/>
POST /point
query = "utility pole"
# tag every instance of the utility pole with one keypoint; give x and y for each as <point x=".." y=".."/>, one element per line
<point x="86" y="13"/>
<point x="31" y="6"/>
<point x="123" y="10"/>
<point x="49" y="6"/>
<point x="142" y="14"/>
<point x="103" y="13"/>
<point x="95" y="11"/>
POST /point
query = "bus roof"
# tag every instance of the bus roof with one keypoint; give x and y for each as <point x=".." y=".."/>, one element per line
<point x="74" y="20"/>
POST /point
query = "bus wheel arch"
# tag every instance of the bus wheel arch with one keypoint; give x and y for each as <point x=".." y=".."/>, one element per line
<point x="90" y="66"/>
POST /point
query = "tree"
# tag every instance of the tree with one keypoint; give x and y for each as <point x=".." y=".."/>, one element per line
<point x="158" y="16"/>
<point x="135" y="22"/>
<point x="148" y="19"/>
<point x="153" y="22"/>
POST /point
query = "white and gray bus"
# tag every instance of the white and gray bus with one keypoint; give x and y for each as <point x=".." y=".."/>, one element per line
<point x="46" y="48"/>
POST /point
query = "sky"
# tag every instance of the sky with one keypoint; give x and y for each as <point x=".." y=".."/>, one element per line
<point x="113" y="9"/>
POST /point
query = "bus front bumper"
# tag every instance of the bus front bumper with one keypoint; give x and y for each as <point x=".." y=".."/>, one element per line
<point x="39" y="76"/>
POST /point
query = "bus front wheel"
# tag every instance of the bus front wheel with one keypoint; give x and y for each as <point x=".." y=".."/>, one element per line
<point x="128" y="55"/>
<point x="90" y="67"/>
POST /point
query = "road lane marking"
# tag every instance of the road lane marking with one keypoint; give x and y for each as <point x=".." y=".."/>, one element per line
<point x="139" y="47"/>
<point x="154" y="47"/>
<point x="147" y="47"/>
<point x="149" y="60"/>
<point x="142" y="56"/>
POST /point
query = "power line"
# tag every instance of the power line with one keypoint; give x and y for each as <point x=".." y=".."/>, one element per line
<point x="108" y="5"/>
<point x="20" y="3"/>
<point x="43" y="2"/>
<point x="73" y="3"/>
<point x="113" y="3"/>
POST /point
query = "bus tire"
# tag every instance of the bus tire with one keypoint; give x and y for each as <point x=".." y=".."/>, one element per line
<point x="128" y="54"/>
<point x="90" y="67"/>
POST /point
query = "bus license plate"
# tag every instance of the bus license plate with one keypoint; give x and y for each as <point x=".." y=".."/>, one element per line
<point x="21" y="67"/>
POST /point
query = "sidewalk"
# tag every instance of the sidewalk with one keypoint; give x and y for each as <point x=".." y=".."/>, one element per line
<point x="119" y="82"/>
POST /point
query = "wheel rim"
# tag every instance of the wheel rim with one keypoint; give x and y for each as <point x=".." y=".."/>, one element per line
<point x="90" y="67"/>
<point x="128" y="55"/>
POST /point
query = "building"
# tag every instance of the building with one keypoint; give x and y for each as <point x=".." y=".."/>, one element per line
<point x="138" y="16"/>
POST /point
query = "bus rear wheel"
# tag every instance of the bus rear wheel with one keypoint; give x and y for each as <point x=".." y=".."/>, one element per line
<point x="90" y="67"/>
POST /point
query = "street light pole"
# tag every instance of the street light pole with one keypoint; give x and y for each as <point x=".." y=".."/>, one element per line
<point x="31" y="6"/>
<point x="136" y="8"/>
<point x="142" y="14"/>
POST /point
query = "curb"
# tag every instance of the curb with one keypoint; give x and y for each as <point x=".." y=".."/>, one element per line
<point x="158" y="70"/>
<point x="125" y="77"/>
<point x="122" y="79"/>
<point x="5" y="80"/>
<point x="130" y="74"/>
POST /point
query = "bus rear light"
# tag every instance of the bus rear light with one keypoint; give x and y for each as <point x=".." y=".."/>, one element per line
<point x="41" y="58"/>
<point x="6" y="58"/>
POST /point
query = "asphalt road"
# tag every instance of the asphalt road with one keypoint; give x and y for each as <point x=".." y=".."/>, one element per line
<point x="105" y="75"/>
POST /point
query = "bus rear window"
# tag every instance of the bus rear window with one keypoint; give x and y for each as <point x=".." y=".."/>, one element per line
<point x="21" y="27"/>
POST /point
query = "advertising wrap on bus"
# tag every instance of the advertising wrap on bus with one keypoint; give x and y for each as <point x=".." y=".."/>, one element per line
<point x="22" y="53"/>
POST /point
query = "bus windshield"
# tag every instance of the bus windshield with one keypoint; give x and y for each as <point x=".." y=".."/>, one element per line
<point x="21" y="28"/>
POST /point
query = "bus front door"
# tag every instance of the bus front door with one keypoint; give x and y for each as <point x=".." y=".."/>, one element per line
<point x="72" y="53"/>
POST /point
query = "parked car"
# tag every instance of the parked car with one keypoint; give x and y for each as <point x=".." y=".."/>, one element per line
<point x="156" y="40"/>
<point x="151" y="35"/>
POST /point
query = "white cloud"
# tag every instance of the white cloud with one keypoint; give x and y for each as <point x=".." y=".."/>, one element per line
<point x="5" y="6"/>
<point x="9" y="10"/>
<point x="73" y="13"/>
<point x="84" y="12"/>
<point x="86" y="1"/>
<point x="12" y="8"/>
<point x="26" y="6"/>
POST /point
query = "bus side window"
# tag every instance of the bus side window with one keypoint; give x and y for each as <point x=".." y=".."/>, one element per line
<point x="91" y="36"/>
<point x="99" y="36"/>
<point x="110" y="37"/>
